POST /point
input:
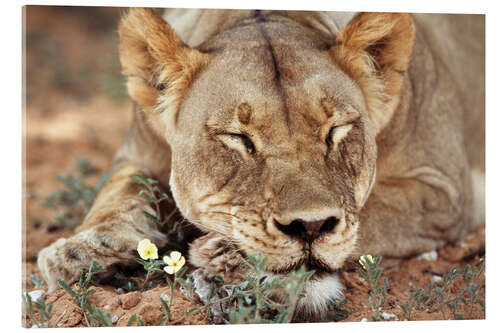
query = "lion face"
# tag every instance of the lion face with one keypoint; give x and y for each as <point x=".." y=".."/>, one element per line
<point x="272" y="129"/>
<point x="270" y="148"/>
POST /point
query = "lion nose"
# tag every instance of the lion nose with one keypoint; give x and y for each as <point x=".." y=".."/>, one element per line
<point x="308" y="230"/>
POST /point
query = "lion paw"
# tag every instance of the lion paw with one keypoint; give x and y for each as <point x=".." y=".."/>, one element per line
<point x="202" y="285"/>
<point x="51" y="267"/>
<point x="64" y="259"/>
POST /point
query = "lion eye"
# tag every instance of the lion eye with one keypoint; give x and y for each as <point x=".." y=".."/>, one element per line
<point x="238" y="142"/>
<point x="337" y="133"/>
<point x="247" y="142"/>
<point x="329" y="137"/>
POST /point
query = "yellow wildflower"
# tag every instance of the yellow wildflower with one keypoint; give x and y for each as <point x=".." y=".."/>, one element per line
<point x="364" y="260"/>
<point x="147" y="250"/>
<point x="174" y="262"/>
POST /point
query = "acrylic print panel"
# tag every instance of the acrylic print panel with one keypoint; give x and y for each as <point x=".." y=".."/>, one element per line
<point x="243" y="166"/>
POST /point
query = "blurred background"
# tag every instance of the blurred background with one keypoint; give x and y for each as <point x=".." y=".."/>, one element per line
<point x="72" y="51"/>
<point x="76" y="115"/>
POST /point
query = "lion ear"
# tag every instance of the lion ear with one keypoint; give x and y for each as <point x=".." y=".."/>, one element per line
<point x="375" y="50"/>
<point x="154" y="58"/>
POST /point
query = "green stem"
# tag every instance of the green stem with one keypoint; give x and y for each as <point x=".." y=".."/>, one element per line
<point x="257" y="301"/>
<point x="146" y="280"/>
<point x="157" y="207"/>
<point x="172" y="289"/>
<point x="86" y="319"/>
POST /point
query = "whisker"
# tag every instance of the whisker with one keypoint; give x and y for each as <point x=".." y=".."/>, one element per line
<point x="225" y="213"/>
<point x="219" y="229"/>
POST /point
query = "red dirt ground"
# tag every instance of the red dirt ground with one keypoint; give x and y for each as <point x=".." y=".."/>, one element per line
<point x="74" y="114"/>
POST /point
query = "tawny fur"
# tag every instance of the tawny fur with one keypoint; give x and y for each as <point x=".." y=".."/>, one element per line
<point x="364" y="124"/>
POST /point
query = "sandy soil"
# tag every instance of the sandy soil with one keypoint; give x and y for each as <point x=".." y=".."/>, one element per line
<point x="75" y="114"/>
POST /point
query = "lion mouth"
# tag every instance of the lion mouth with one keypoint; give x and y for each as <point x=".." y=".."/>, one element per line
<point x="310" y="263"/>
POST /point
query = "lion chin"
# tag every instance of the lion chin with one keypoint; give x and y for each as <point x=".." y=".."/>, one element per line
<point x="319" y="291"/>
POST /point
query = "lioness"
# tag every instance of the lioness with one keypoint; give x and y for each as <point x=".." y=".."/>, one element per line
<point x="311" y="137"/>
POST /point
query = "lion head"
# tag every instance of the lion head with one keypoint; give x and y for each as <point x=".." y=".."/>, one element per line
<point x="272" y="127"/>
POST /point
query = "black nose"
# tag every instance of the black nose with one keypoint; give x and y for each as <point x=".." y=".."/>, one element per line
<point x="308" y="230"/>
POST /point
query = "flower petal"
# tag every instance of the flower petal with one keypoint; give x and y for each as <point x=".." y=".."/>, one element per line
<point x="175" y="255"/>
<point x="167" y="260"/>
<point x="142" y="248"/>
<point x="154" y="252"/>
<point x="182" y="261"/>
<point x="169" y="269"/>
<point x="143" y="244"/>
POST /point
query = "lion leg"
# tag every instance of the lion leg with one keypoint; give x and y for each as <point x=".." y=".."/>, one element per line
<point x="109" y="234"/>
<point x="407" y="216"/>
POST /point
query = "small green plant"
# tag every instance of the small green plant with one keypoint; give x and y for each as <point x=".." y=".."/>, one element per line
<point x="370" y="272"/>
<point x="256" y="303"/>
<point x="172" y="283"/>
<point x="471" y="275"/>
<point x="73" y="201"/>
<point x="37" y="283"/>
<point x="134" y="318"/>
<point x="336" y="311"/>
<point x="418" y="298"/>
<point x="259" y="299"/>
<point x="468" y="296"/>
<point x="154" y="274"/>
<point x="93" y="315"/>
<point x="444" y="294"/>
<point x="156" y="196"/>
<point x="44" y="311"/>
<point x="175" y="266"/>
<point x="151" y="264"/>
<point x="148" y="253"/>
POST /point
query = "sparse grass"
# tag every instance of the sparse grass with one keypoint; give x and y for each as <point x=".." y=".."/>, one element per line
<point x="156" y="196"/>
<point x="258" y="299"/>
<point x="371" y="272"/>
<point x="417" y="300"/>
<point x="336" y="311"/>
<point x="252" y="301"/>
<point x="93" y="315"/>
<point x="468" y="296"/>
<point x="447" y="295"/>
<point x="72" y="202"/>
<point x="154" y="274"/>
<point x="440" y="296"/>
<point x="44" y="311"/>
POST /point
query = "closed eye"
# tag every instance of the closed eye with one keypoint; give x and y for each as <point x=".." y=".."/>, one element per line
<point x="336" y="134"/>
<point x="240" y="142"/>
<point x="247" y="143"/>
<point x="329" y="137"/>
